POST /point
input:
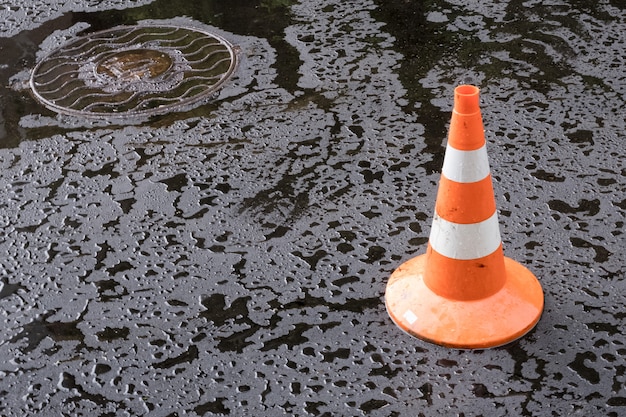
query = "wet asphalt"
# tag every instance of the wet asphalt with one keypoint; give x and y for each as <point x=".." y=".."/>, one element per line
<point x="232" y="259"/>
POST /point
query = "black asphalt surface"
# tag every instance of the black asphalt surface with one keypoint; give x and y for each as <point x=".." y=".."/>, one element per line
<point x="232" y="259"/>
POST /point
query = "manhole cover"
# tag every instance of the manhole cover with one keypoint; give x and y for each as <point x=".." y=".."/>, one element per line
<point x="133" y="70"/>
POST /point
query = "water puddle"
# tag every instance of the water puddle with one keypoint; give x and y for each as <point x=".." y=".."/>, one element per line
<point x="25" y="119"/>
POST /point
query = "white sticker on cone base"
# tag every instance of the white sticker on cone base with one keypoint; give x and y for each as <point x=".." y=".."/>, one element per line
<point x="465" y="166"/>
<point x="465" y="241"/>
<point x="410" y="317"/>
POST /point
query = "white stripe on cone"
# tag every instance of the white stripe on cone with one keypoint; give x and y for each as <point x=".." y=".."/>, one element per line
<point x="465" y="241"/>
<point x="465" y="166"/>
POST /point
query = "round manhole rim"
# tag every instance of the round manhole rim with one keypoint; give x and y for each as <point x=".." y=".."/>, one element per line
<point x="183" y="104"/>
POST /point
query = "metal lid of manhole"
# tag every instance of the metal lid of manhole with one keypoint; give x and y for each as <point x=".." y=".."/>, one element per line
<point x="133" y="71"/>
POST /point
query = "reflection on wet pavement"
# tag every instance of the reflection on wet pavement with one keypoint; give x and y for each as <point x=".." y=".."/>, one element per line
<point x="231" y="260"/>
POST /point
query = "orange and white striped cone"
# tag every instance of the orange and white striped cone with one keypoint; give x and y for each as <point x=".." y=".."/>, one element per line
<point x="463" y="292"/>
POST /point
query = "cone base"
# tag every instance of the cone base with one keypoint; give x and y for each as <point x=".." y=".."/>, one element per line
<point x="489" y="322"/>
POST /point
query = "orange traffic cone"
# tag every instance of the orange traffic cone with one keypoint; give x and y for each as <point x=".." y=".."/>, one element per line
<point x="463" y="292"/>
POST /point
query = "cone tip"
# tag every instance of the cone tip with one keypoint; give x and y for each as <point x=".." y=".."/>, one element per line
<point x="466" y="99"/>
